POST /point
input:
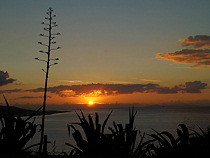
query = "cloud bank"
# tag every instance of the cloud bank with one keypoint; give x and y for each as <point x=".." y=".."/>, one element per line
<point x="32" y="97"/>
<point x="198" y="41"/>
<point x="4" y="78"/>
<point x="12" y="91"/>
<point x="94" y="90"/>
<point x="200" y="58"/>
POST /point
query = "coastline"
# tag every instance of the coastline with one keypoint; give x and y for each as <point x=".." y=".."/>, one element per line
<point x="20" y="112"/>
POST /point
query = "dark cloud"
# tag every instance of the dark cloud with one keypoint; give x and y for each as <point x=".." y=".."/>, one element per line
<point x="199" y="57"/>
<point x="4" y="78"/>
<point x="94" y="90"/>
<point x="166" y="90"/>
<point x="198" y="41"/>
<point x="32" y="97"/>
<point x="188" y="87"/>
<point x="194" y="87"/>
<point x="117" y="89"/>
<point x="11" y="91"/>
<point x="97" y="89"/>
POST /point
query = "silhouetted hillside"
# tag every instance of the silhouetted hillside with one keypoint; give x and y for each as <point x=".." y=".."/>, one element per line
<point x="25" y="112"/>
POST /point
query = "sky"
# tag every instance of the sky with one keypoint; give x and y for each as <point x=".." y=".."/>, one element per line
<point x="136" y="51"/>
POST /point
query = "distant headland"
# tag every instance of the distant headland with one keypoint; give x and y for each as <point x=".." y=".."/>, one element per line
<point x="19" y="112"/>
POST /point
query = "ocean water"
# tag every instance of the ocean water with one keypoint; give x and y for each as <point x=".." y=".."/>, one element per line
<point x="158" y="118"/>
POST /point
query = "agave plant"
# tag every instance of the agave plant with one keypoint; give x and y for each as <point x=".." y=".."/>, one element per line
<point x="166" y="145"/>
<point x="200" y="143"/>
<point x="124" y="139"/>
<point x="15" y="132"/>
<point x="96" y="142"/>
<point x="121" y="142"/>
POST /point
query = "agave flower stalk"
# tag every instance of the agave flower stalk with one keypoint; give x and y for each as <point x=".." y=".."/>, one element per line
<point x="49" y="25"/>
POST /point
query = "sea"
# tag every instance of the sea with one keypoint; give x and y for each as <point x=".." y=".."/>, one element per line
<point x="160" y="118"/>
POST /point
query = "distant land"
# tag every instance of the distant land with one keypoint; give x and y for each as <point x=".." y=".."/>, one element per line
<point x="16" y="111"/>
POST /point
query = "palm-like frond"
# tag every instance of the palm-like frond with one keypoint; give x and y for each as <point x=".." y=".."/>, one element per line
<point x="95" y="142"/>
<point x="15" y="132"/>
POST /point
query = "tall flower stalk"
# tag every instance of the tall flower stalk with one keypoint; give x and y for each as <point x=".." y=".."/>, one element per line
<point x="49" y="25"/>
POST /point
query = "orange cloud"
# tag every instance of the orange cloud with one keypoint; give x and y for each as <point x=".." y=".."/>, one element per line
<point x="198" y="41"/>
<point x="200" y="58"/>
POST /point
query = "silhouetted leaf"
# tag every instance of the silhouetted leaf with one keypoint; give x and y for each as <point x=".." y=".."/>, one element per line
<point x="105" y="121"/>
<point x="8" y="107"/>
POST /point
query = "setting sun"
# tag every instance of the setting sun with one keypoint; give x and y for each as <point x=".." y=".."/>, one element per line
<point x="90" y="103"/>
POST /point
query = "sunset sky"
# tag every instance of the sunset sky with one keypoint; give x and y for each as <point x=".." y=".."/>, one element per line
<point x="125" y="51"/>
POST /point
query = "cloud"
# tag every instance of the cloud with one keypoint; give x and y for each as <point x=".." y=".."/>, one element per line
<point x="4" y="78"/>
<point x="188" y="87"/>
<point x="194" y="87"/>
<point x="94" y="90"/>
<point x="32" y="97"/>
<point x="198" y="41"/>
<point x="11" y="91"/>
<point x="200" y="58"/>
<point x="76" y="81"/>
<point x="165" y="90"/>
<point x="149" y="80"/>
<point x="97" y="89"/>
<point x="119" y="82"/>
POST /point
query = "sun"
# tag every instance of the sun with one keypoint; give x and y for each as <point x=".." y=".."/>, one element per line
<point x="90" y="103"/>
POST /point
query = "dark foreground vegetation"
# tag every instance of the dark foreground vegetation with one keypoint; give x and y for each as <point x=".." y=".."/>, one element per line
<point x="92" y="140"/>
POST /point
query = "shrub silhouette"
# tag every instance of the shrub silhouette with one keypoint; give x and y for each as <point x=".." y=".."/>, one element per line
<point x="200" y="143"/>
<point x="96" y="141"/>
<point x="15" y="133"/>
<point x="120" y="142"/>
<point x="124" y="139"/>
<point x="185" y="145"/>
